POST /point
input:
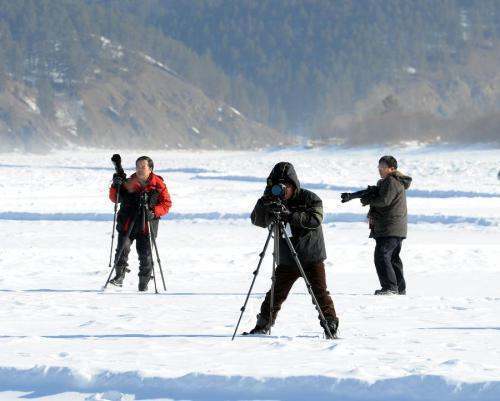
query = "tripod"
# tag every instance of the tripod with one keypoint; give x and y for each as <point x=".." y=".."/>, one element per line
<point x="142" y="213"/>
<point x="277" y="230"/>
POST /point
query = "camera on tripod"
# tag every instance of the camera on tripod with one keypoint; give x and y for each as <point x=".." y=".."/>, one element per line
<point x="274" y="201"/>
<point x="278" y="190"/>
<point x="144" y="200"/>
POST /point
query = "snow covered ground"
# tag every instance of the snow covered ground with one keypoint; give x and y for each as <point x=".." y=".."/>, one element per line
<point x="62" y="338"/>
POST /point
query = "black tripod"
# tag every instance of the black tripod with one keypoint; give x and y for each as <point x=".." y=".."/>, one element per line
<point x="141" y="213"/>
<point x="277" y="230"/>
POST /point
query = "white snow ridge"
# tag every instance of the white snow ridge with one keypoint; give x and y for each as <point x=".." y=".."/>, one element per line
<point x="63" y="338"/>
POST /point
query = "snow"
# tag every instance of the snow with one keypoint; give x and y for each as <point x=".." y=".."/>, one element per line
<point x="411" y="70"/>
<point x="158" y="64"/>
<point x="62" y="338"/>
<point x="31" y="103"/>
<point x="116" y="51"/>
<point x="236" y="111"/>
<point x="57" y="76"/>
<point x="105" y="41"/>
<point x="65" y="119"/>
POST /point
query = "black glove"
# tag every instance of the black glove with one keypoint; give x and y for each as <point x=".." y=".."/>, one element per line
<point x="117" y="180"/>
<point x="365" y="200"/>
<point x="345" y="197"/>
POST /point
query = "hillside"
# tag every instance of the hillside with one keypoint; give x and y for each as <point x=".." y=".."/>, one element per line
<point x="150" y="107"/>
<point x="382" y="71"/>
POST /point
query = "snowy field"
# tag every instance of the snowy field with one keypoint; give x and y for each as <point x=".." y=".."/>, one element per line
<point x="62" y="338"/>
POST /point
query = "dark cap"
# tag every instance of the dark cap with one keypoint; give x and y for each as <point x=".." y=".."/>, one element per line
<point x="390" y="161"/>
<point x="148" y="159"/>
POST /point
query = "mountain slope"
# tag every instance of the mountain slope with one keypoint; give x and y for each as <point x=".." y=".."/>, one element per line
<point x="151" y="106"/>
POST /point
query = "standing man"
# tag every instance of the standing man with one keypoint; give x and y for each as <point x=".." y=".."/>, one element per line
<point x="305" y="215"/>
<point x="143" y="184"/>
<point x="388" y="219"/>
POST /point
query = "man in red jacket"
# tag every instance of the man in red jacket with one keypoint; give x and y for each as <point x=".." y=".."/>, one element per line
<point x="143" y="181"/>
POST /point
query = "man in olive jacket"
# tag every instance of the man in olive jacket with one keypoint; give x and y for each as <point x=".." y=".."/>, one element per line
<point x="388" y="219"/>
<point x="304" y="220"/>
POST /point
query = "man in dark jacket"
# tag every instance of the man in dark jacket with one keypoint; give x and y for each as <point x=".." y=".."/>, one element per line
<point x="142" y="182"/>
<point x="388" y="220"/>
<point x="304" y="221"/>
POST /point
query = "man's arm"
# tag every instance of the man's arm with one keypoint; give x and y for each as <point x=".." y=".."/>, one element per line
<point x="260" y="217"/>
<point x="310" y="218"/>
<point x="386" y="193"/>
<point x="113" y="192"/>
<point x="164" y="202"/>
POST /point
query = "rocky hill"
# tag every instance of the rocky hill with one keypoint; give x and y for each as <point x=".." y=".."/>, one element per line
<point x="149" y="107"/>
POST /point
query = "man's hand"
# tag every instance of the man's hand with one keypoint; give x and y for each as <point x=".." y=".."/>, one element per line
<point x="286" y="215"/>
<point x="345" y="197"/>
<point x="365" y="200"/>
<point x="117" y="180"/>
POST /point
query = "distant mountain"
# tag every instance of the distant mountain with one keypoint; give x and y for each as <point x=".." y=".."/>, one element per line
<point x="152" y="107"/>
<point x="330" y="70"/>
<point x="62" y="83"/>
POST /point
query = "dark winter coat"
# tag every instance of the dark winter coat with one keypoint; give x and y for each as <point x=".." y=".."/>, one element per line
<point x="305" y="220"/>
<point x="130" y="193"/>
<point x="388" y="214"/>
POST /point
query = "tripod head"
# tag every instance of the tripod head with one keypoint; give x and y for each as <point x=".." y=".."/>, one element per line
<point x="277" y="209"/>
<point x="143" y="200"/>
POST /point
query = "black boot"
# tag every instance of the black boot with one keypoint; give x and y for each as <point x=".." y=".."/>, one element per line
<point x="120" y="275"/>
<point x="261" y="327"/>
<point x="333" y="326"/>
<point x="384" y="291"/>
<point x="143" y="281"/>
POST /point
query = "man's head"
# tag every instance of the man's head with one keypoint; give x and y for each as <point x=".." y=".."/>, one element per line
<point x="387" y="165"/>
<point x="284" y="173"/>
<point x="143" y="167"/>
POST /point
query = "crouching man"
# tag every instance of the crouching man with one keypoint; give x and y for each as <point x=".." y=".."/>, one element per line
<point x="304" y="218"/>
<point x="142" y="187"/>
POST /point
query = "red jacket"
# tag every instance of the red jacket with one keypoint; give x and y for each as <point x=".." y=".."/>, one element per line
<point x="154" y="184"/>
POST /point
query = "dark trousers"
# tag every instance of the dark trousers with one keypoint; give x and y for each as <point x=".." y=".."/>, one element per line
<point x="143" y="250"/>
<point x="286" y="277"/>
<point x="388" y="263"/>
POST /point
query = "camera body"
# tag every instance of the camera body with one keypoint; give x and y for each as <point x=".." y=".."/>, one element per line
<point x="273" y="201"/>
<point x="144" y="200"/>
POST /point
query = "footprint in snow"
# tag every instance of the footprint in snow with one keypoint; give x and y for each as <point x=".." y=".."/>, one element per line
<point x="107" y="396"/>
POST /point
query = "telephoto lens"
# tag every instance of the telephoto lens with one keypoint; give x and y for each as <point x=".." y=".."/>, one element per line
<point x="278" y="190"/>
<point x="117" y="162"/>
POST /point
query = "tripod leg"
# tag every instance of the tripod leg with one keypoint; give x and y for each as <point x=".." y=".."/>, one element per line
<point x="114" y="226"/>
<point x="151" y="242"/>
<point x="276" y="256"/>
<point x="153" y="237"/>
<point x="308" y="284"/>
<point x="119" y="254"/>
<point x="154" y="279"/>
<point x="255" y="273"/>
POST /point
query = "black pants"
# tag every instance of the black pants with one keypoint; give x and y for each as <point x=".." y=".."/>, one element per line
<point x="389" y="265"/>
<point x="143" y="250"/>
<point x="286" y="277"/>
